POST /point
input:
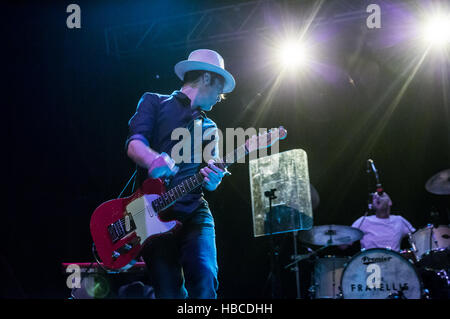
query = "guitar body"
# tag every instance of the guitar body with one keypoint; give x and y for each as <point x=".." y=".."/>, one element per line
<point x="121" y="227"/>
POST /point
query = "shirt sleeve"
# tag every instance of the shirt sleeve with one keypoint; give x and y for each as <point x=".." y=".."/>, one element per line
<point x="357" y="223"/>
<point x="407" y="227"/>
<point x="142" y="123"/>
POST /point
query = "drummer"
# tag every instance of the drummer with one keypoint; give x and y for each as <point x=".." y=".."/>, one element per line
<point x="382" y="230"/>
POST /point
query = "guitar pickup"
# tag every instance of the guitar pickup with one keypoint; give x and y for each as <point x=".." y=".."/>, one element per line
<point x="121" y="228"/>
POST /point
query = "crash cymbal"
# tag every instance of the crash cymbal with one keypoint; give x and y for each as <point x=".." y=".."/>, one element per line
<point x="439" y="183"/>
<point x="330" y="235"/>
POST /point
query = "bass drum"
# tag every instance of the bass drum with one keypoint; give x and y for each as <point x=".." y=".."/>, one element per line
<point x="380" y="274"/>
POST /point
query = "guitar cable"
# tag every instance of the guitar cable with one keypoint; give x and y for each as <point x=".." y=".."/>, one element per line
<point x="98" y="261"/>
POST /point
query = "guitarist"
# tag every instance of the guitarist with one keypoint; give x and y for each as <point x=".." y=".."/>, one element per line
<point x="183" y="264"/>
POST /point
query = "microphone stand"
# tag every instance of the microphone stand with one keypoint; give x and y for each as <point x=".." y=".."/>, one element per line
<point x="273" y="275"/>
<point x="296" y="269"/>
<point x="370" y="196"/>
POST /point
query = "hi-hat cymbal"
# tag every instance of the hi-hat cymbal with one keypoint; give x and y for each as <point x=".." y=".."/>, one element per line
<point x="439" y="183"/>
<point x="331" y="235"/>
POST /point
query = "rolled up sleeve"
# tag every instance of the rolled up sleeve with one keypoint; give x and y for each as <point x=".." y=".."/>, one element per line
<point x="142" y="123"/>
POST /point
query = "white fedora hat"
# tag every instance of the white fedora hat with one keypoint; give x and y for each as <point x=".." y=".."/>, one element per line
<point x="206" y="60"/>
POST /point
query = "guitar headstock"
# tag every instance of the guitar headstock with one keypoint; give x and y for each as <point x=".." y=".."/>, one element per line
<point x="266" y="139"/>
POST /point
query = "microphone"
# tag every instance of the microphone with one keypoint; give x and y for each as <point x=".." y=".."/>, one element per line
<point x="371" y="165"/>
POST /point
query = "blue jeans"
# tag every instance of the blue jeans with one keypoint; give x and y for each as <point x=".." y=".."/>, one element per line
<point x="184" y="264"/>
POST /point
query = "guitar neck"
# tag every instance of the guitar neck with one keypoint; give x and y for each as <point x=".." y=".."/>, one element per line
<point x="194" y="181"/>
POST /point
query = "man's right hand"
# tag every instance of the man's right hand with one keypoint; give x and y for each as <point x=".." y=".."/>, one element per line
<point x="162" y="166"/>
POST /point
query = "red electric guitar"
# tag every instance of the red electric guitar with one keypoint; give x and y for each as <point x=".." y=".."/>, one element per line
<point x="121" y="227"/>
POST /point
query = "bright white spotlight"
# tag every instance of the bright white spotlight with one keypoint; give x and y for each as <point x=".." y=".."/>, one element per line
<point x="437" y="30"/>
<point x="293" y="54"/>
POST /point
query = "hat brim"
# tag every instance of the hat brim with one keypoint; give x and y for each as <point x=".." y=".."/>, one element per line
<point x="185" y="66"/>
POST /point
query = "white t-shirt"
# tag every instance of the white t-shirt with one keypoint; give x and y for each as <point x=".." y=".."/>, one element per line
<point x="383" y="232"/>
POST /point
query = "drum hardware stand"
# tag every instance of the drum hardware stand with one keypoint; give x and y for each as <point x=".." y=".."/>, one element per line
<point x="296" y="268"/>
<point x="296" y="257"/>
<point x="311" y="290"/>
<point x="413" y="245"/>
<point x="273" y="275"/>
<point x="334" y="278"/>
<point x="397" y="295"/>
<point x="302" y="257"/>
<point x="431" y="237"/>
<point x="434" y="223"/>
<point x="340" y="295"/>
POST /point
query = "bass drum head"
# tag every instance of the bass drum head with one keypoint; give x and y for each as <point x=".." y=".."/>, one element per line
<point x="380" y="274"/>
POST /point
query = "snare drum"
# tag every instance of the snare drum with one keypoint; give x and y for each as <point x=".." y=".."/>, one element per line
<point x="327" y="276"/>
<point x="380" y="274"/>
<point x="430" y="238"/>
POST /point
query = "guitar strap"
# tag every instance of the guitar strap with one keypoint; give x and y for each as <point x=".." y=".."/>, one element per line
<point x="196" y="115"/>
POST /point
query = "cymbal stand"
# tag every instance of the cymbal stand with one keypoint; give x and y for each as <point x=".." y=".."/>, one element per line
<point x="273" y="275"/>
<point x="302" y="257"/>
<point x="434" y="216"/>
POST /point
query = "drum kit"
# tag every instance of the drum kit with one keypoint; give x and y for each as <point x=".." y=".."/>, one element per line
<point x="381" y="273"/>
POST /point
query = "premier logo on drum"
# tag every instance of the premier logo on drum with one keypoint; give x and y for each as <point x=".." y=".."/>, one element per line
<point x="369" y="260"/>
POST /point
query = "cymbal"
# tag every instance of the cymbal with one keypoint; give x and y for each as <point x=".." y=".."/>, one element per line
<point x="331" y="235"/>
<point x="439" y="183"/>
<point x="315" y="199"/>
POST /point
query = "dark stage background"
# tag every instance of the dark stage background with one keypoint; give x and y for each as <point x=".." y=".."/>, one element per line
<point x="66" y="104"/>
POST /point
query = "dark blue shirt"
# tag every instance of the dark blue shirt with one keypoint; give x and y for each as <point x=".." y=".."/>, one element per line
<point x="153" y="123"/>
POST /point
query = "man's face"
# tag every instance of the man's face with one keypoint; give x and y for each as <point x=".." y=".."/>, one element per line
<point x="381" y="202"/>
<point x="210" y="90"/>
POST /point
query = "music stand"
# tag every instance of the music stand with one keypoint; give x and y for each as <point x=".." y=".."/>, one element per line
<point x="290" y="210"/>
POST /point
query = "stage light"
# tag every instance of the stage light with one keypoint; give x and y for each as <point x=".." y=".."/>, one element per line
<point x="293" y="54"/>
<point x="97" y="286"/>
<point x="436" y="30"/>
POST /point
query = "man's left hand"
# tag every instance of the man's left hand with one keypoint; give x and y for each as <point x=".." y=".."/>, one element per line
<point x="213" y="176"/>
